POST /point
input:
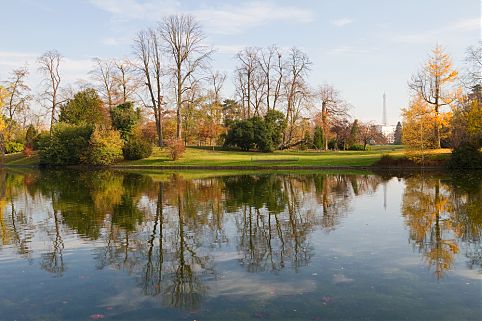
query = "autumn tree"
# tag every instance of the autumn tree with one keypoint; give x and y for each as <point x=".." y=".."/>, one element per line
<point x="183" y="43"/>
<point x="49" y="66"/>
<point x="418" y="128"/>
<point x="433" y="84"/>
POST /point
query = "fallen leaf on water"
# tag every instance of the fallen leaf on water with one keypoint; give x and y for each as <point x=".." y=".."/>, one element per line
<point x="327" y="299"/>
<point x="97" y="316"/>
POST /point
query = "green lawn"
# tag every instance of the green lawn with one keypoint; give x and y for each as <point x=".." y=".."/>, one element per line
<point x="205" y="157"/>
<point x="19" y="159"/>
<point x="200" y="156"/>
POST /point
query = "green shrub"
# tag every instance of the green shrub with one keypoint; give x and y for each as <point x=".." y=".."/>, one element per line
<point x="124" y="118"/>
<point x="263" y="134"/>
<point x="66" y="144"/>
<point x="105" y="147"/>
<point x="137" y="148"/>
<point x="13" y="147"/>
<point x="466" y="156"/>
<point x="31" y="135"/>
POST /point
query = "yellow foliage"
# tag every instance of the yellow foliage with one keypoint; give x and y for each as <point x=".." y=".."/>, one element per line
<point x="419" y="121"/>
<point x="440" y="66"/>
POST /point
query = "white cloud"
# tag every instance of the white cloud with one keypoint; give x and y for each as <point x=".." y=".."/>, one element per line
<point x="351" y="50"/>
<point x="467" y="25"/>
<point x="222" y="19"/>
<point x="459" y="26"/>
<point x="341" y="22"/>
<point x="228" y="49"/>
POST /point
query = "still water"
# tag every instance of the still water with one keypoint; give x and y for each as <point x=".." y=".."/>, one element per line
<point x="200" y="246"/>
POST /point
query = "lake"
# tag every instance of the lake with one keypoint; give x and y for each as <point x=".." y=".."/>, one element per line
<point x="113" y="245"/>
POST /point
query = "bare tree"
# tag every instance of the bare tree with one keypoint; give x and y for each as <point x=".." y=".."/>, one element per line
<point x="148" y="51"/>
<point x="272" y="66"/>
<point x="217" y="80"/>
<point x="472" y="79"/>
<point x="125" y="80"/>
<point x="370" y="133"/>
<point x="104" y="75"/>
<point x="296" y="89"/>
<point x="432" y="84"/>
<point x="17" y="93"/>
<point x="249" y="62"/>
<point x="333" y="109"/>
<point x="183" y="42"/>
<point x="49" y="64"/>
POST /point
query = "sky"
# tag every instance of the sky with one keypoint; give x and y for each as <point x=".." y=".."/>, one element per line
<point x="363" y="48"/>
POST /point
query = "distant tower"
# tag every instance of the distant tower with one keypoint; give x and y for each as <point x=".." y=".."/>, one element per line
<point x="384" y="122"/>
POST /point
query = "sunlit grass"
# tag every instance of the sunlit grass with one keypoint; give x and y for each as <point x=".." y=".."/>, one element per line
<point x="205" y="157"/>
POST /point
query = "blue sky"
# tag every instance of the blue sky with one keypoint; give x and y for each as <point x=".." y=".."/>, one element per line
<point x="363" y="48"/>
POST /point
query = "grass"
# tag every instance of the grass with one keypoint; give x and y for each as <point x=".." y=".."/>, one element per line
<point x="18" y="159"/>
<point x="207" y="157"/>
<point x="198" y="156"/>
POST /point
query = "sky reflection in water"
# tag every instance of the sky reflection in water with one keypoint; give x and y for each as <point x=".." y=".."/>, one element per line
<point x="315" y="246"/>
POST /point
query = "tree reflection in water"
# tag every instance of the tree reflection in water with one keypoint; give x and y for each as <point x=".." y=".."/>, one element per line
<point x="165" y="230"/>
<point x="440" y="216"/>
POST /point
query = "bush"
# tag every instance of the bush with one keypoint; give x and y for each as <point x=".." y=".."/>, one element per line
<point x="31" y="135"/>
<point x="27" y="151"/>
<point x="176" y="148"/>
<point x="264" y="134"/>
<point x="13" y="147"/>
<point x="137" y="148"/>
<point x="466" y="156"/>
<point x="105" y="147"/>
<point x="41" y="137"/>
<point x="124" y="118"/>
<point x="66" y="145"/>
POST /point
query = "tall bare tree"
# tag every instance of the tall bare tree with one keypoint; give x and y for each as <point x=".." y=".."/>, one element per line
<point x="296" y="89"/>
<point x="248" y="65"/>
<point x="333" y="109"/>
<point x="104" y="75"/>
<point x="433" y="82"/>
<point x="49" y="64"/>
<point x="473" y="61"/>
<point x="183" y="42"/>
<point x="125" y="80"/>
<point x="18" y="93"/>
<point x="272" y="65"/>
<point x="148" y="52"/>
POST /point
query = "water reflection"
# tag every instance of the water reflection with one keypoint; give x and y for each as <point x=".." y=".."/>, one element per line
<point x="167" y="231"/>
<point x="440" y="215"/>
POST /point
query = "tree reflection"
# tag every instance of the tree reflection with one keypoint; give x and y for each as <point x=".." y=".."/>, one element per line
<point x="166" y="230"/>
<point x="439" y="217"/>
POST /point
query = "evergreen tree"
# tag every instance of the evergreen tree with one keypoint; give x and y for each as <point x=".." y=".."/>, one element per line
<point x="398" y="134"/>
<point x="318" y="139"/>
<point x="354" y="133"/>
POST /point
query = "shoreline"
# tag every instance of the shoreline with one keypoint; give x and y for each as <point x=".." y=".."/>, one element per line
<point x="228" y="167"/>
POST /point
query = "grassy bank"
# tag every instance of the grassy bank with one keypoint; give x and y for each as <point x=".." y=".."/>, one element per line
<point x="199" y="157"/>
